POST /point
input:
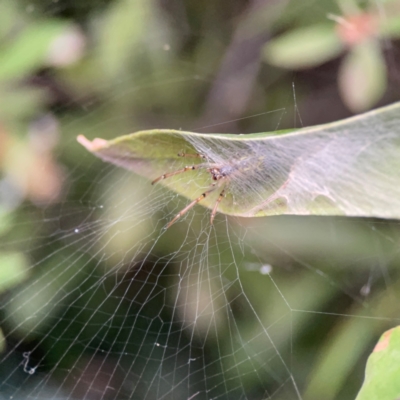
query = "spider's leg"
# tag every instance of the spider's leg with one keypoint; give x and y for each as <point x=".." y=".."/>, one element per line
<point x="190" y="205"/>
<point x="195" y="155"/>
<point x="214" y="211"/>
<point x="179" y="171"/>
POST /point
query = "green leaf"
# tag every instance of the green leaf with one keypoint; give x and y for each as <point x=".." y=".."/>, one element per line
<point x="383" y="369"/>
<point x="362" y="76"/>
<point x="344" y="347"/>
<point x="304" y="47"/>
<point x="351" y="167"/>
<point x="29" y="50"/>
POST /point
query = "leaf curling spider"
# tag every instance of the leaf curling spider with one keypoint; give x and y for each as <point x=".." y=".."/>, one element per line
<point x="217" y="173"/>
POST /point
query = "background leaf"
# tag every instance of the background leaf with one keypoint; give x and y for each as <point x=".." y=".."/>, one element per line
<point x="362" y="76"/>
<point x="383" y="369"/>
<point x="304" y="47"/>
<point x="29" y="50"/>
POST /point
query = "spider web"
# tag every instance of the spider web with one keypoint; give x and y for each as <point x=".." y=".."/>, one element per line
<point x="113" y="306"/>
<point x="220" y="313"/>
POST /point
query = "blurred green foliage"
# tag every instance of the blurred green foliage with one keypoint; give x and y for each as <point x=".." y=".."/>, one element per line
<point x="105" y="298"/>
<point x="359" y="30"/>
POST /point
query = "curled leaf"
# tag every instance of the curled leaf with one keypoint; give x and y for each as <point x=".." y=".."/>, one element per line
<point x="350" y="167"/>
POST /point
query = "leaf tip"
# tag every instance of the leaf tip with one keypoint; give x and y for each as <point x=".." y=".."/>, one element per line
<point x="92" y="146"/>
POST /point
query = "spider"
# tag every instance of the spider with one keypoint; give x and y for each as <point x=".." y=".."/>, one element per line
<point x="217" y="173"/>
